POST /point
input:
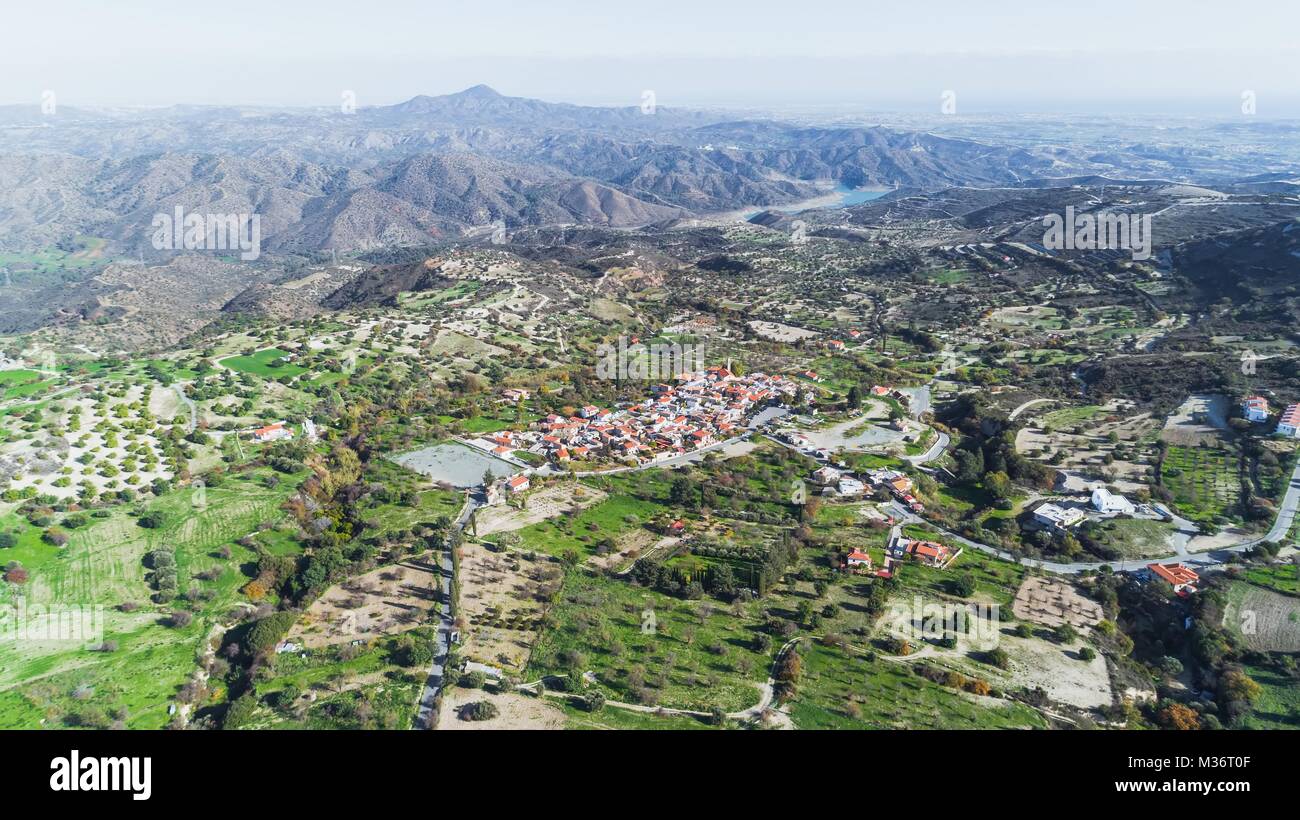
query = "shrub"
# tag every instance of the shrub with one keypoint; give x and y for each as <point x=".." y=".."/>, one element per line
<point x="478" y="710"/>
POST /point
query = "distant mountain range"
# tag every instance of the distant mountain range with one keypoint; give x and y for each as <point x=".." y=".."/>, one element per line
<point x="435" y="167"/>
<point x="438" y="168"/>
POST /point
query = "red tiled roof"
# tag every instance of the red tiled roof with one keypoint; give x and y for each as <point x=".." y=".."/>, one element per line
<point x="1175" y="574"/>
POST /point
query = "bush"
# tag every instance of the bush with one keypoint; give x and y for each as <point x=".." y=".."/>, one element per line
<point x="150" y="520"/>
<point x="998" y="657"/>
<point x="478" y="710"/>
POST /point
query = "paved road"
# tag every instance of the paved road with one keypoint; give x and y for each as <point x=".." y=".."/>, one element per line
<point x="424" y="717"/>
<point x="940" y="444"/>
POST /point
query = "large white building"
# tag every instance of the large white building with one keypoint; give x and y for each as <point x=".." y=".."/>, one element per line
<point x="851" y="486"/>
<point x="1057" y="517"/>
<point x="1104" y="501"/>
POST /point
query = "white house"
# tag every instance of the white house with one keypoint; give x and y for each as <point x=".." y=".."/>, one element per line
<point x="1104" y="501"/>
<point x="273" y="432"/>
<point x="826" y="475"/>
<point x="1058" y="518"/>
<point x="1289" y="424"/>
<point x="858" y="559"/>
<point x="1255" y="408"/>
<point x="851" y="486"/>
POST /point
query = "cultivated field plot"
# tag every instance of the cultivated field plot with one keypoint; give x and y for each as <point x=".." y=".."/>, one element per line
<point x="384" y="601"/>
<point x="501" y="603"/>
<point x="1051" y="603"/>
<point x="558" y="499"/>
<point x="595" y="530"/>
<point x="1263" y="619"/>
<point x="845" y="689"/>
<point x="651" y="649"/>
<point x="1204" y="481"/>
<point x="1280" y="577"/>
<point x="102" y="566"/>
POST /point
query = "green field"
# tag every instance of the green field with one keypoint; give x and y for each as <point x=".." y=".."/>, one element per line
<point x="1278" y="706"/>
<point x="264" y="363"/>
<point x="1284" y="578"/>
<point x="1135" y="537"/>
<point x="1204" y="481"/>
<point x="844" y="689"/>
<point x="582" y="533"/>
<point x="355" y="688"/>
<point x="88" y="252"/>
<point x="16" y="384"/>
<point x="645" y="647"/>
<point x="995" y="580"/>
<point x="102" y="566"/>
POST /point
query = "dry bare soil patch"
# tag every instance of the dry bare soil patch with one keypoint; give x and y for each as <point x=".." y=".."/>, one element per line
<point x="1059" y="671"/>
<point x="514" y="711"/>
<point x="501" y="604"/>
<point x="543" y="504"/>
<point x="1051" y="603"/>
<point x="385" y="601"/>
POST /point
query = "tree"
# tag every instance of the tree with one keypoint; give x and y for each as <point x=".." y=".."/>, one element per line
<point x="1237" y="693"/>
<point x="682" y="492"/>
<point x="267" y="632"/>
<point x="998" y="657"/>
<point x="963" y="585"/>
<point x="150" y="520"/>
<point x="854" y="399"/>
<point x="998" y="484"/>
<point x="1177" y="716"/>
<point x="240" y="712"/>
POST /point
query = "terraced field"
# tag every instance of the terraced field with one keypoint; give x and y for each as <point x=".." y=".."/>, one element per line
<point x="1263" y="619"/>
<point x="101" y="568"/>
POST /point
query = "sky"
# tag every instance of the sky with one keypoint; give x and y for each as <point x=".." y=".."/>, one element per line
<point x="1068" y="57"/>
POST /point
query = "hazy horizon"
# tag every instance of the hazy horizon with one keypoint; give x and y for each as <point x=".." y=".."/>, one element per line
<point x="1160" y="58"/>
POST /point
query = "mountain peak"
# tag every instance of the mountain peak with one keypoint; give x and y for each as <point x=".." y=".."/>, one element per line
<point x="480" y="91"/>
